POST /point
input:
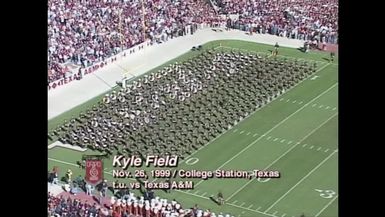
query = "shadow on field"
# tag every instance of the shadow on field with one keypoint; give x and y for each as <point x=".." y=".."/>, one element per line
<point x="214" y="200"/>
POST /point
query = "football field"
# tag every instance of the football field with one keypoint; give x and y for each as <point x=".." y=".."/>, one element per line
<point x="295" y="134"/>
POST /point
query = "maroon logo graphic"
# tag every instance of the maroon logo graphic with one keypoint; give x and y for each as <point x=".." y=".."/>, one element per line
<point x="94" y="171"/>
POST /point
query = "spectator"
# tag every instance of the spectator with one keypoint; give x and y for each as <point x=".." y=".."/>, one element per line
<point x="299" y="19"/>
<point x="87" y="32"/>
<point x="89" y="189"/>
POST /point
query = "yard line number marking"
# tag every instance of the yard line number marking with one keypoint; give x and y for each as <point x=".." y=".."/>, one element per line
<point x="326" y="193"/>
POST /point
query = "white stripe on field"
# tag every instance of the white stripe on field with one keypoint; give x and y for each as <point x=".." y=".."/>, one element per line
<point x="327" y="205"/>
<point x="307" y="175"/>
<point x="311" y="132"/>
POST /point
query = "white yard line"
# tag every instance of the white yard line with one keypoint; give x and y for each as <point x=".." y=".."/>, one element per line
<point x="277" y="125"/>
<point x="244" y="208"/>
<point x="327" y="205"/>
<point x="300" y="181"/>
<point x="202" y="147"/>
<point x="291" y="148"/>
<point x="63" y="162"/>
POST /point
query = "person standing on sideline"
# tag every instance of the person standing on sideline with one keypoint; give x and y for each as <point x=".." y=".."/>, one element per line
<point x="221" y="201"/>
<point x="276" y="47"/>
<point x="332" y="57"/>
<point x="103" y="192"/>
<point x="69" y="176"/>
<point x="89" y="189"/>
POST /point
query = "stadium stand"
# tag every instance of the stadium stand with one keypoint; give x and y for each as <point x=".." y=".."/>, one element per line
<point x="86" y="32"/>
<point x="297" y="19"/>
<point x="129" y="206"/>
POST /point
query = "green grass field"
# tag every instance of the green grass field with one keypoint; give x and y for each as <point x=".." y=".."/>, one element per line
<point x="296" y="134"/>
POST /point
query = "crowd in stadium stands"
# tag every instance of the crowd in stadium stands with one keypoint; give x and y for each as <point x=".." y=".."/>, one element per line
<point x="85" y="32"/>
<point x="297" y="19"/>
<point x="130" y="206"/>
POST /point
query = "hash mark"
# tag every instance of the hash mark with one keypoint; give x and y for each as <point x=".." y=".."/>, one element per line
<point x="242" y="204"/>
<point x="282" y="140"/>
<point x="314" y="105"/>
<point x="319" y="148"/>
<point x="241" y="132"/>
<point x="300" y="102"/>
<point x="294" y="101"/>
<point x="250" y="206"/>
<point x="311" y="147"/>
<point x="258" y="208"/>
<point x="275" y="139"/>
<point x="321" y="106"/>
<point x="235" y="130"/>
<point x="290" y="142"/>
<point x="234" y="202"/>
<point x="248" y="134"/>
<point x="255" y="135"/>
<point x="326" y="150"/>
<point x="287" y="100"/>
<point x="268" y="137"/>
<point x="327" y="107"/>
<point x="334" y="108"/>
<point x="304" y="145"/>
<point x="275" y="212"/>
<point x="281" y="99"/>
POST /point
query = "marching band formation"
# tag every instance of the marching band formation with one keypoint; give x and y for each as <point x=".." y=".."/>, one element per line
<point x="184" y="105"/>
